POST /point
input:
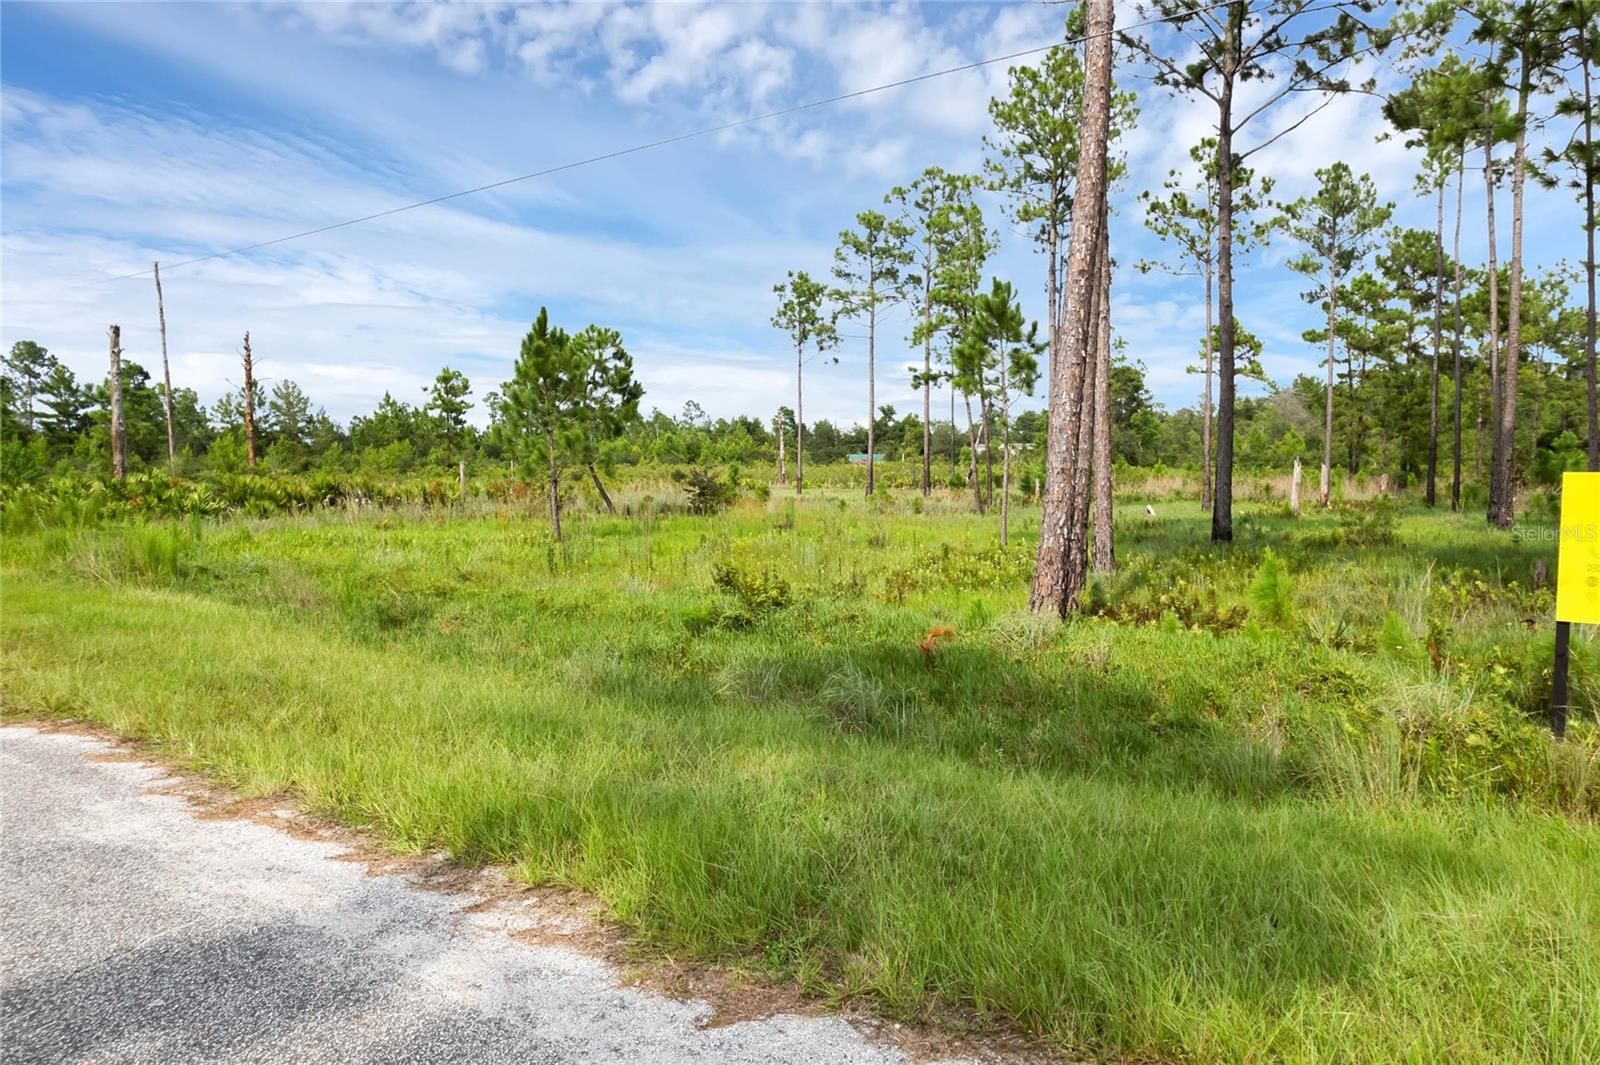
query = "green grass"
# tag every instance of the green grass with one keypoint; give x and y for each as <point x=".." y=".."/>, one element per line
<point x="1327" y="829"/>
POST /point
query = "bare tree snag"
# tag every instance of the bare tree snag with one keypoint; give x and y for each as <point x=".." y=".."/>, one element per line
<point x="1294" y="489"/>
<point x="599" y="486"/>
<point x="119" y="426"/>
<point x="166" y="374"/>
<point x="249" y="406"/>
<point x="783" y="469"/>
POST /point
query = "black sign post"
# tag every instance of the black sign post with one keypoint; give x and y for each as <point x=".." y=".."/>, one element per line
<point x="1558" y="684"/>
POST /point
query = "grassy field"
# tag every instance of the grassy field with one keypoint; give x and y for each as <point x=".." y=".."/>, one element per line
<point x="1285" y="800"/>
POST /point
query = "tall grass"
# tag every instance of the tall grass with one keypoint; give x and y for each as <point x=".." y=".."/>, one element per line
<point x="1134" y="836"/>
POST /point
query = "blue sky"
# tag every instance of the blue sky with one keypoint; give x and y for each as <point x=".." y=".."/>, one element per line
<point x="135" y="132"/>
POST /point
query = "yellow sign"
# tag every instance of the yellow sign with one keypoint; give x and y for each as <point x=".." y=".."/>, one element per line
<point x="1578" y="553"/>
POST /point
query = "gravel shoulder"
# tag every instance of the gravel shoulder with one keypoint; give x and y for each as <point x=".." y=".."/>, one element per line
<point x="136" y="928"/>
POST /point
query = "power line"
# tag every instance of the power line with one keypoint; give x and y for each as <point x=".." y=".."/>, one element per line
<point x="661" y="143"/>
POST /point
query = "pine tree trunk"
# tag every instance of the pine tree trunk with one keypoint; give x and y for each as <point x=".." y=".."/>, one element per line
<point x="166" y="374"/>
<point x="953" y="448"/>
<point x="1588" y="215"/>
<point x="1005" y="462"/>
<point x="972" y="454"/>
<point x="1325" y="486"/>
<point x="872" y="387"/>
<point x="986" y="411"/>
<point x="1222" y="506"/>
<point x="555" y="486"/>
<point x="1455" y="476"/>
<point x="594" y="475"/>
<point x="1438" y="312"/>
<point x="783" y="470"/>
<point x="119" y="427"/>
<point x="1102" y="557"/>
<point x="799" y="424"/>
<point x="1205" y="410"/>
<point x="1503" y="474"/>
<point x="249" y="406"/>
<point x="1080" y="551"/>
<point x="1494" y="320"/>
<point x="1060" y="573"/>
<point x="927" y="377"/>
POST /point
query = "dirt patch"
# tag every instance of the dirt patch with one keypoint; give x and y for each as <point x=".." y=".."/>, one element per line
<point x="546" y="915"/>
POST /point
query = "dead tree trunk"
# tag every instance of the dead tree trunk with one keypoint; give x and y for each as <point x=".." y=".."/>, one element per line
<point x="1103" y="557"/>
<point x="605" y="497"/>
<point x="1294" y="488"/>
<point x="461" y="479"/>
<point x="783" y="469"/>
<point x="1060" y="573"/>
<point x="166" y="373"/>
<point x="119" y="427"/>
<point x="249" y="406"/>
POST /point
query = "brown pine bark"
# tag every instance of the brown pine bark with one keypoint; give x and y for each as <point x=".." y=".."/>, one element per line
<point x="972" y="454"/>
<point x="555" y="485"/>
<point x="1588" y="214"/>
<point x="1455" y="475"/>
<point x="1433" y="376"/>
<point x="1494" y="318"/>
<point x="799" y="424"/>
<point x="927" y="377"/>
<point x="1325" y="486"/>
<point x="872" y="389"/>
<point x="1103" y="556"/>
<point x="1083" y="460"/>
<point x="1222" y="505"/>
<point x="1502" y="474"/>
<point x="166" y="373"/>
<point x="1205" y="410"/>
<point x="1060" y="572"/>
<point x="249" y="406"/>
<point x="119" y="427"/>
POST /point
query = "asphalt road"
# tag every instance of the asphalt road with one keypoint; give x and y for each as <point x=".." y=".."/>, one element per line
<point x="133" y="931"/>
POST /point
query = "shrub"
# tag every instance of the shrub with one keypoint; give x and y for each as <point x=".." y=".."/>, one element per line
<point x="1271" y="592"/>
<point x="708" y="493"/>
<point x="1373" y="523"/>
<point x="758" y="591"/>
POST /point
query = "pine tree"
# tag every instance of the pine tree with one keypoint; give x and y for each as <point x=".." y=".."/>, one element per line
<point x="870" y="263"/>
<point x="1296" y="47"/>
<point x="539" y="411"/>
<point x="804" y="313"/>
<point x="1338" y="226"/>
